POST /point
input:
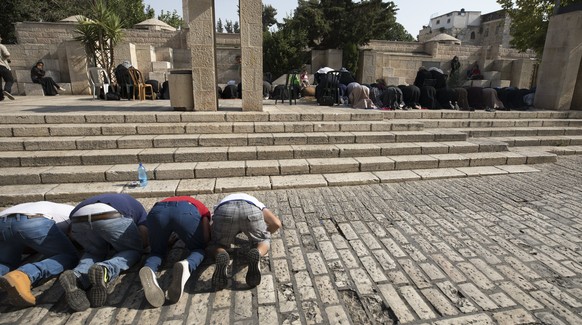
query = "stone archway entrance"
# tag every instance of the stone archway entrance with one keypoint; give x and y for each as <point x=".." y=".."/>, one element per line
<point x="200" y="16"/>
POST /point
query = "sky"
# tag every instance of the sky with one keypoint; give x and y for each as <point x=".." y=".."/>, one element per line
<point x="412" y="14"/>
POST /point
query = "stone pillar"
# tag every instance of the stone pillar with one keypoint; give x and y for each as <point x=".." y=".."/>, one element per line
<point x="201" y="39"/>
<point x="561" y="63"/>
<point x="77" y="67"/>
<point x="251" y="37"/>
<point x="125" y="52"/>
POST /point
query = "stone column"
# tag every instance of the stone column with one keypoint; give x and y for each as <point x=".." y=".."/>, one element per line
<point x="202" y="46"/>
<point x="251" y="39"/>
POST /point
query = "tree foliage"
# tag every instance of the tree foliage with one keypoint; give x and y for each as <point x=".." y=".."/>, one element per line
<point x="269" y="17"/>
<point x="219" y="26"/>
<point x="172" y="19"/>
<point x="529" y="21"/>
<point x="332" y="24"/>
<point x="99" y="33"/>
<point x="131" y="12"/>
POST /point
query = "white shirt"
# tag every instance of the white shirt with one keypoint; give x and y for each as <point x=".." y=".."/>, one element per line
<point x="324" y="70"/>
<point x="242" y="197"/>
<point x="4" y="54"/>
<point x="95" y="208"/>
<point x="50" y="210"/>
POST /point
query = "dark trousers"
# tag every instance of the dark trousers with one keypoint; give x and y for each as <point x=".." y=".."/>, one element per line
<point x="9" y="81"/>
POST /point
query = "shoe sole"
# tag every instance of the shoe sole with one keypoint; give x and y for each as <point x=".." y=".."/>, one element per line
<point x="98" y="291"/>
<point x="253" y="277"/>
<point x="179" y="277"/>
<point x="219" y="279"/>
<point x="9" y="95"/>
<point x="76" y="298"/>
<point x="14" y="296"/>
<point x="152" y="291"/>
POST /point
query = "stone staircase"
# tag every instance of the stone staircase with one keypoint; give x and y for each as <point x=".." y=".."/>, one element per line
<point x="66" y="157"/>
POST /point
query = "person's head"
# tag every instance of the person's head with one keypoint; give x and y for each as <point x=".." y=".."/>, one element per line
<point x="40" y="65"/>
<point x="455" y="58"/>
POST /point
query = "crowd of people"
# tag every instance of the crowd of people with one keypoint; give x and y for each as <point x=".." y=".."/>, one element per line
<point x="113" y="231"/>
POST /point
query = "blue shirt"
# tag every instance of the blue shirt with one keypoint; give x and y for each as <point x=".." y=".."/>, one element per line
<point x="123" y="203"/>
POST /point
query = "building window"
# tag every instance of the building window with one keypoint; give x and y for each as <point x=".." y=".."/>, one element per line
<point x="449" y="21"/>
<point x="472" y="35"/>
<point x="438" y="22"/>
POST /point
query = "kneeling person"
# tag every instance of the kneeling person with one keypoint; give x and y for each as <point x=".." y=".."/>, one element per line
<point x="239" y="213"/>
<point x="111" y="229"/>
<point x="190" y="220"/>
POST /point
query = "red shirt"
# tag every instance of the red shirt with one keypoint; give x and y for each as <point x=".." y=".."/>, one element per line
<point x="204" y="212"/>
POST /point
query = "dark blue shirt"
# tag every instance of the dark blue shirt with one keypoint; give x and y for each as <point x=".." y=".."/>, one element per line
<point x="123" y="203"/>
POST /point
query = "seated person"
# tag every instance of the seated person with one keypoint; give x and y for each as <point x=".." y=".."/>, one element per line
<point x="49" y="86"/>
<point x="474" y="73"/>
<point x="304" y="77"/>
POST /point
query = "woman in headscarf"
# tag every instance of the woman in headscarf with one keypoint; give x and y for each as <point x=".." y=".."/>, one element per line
<point x="49" y="86"/>
<point x="360" y="97"/>
<point x="454" y="75"/>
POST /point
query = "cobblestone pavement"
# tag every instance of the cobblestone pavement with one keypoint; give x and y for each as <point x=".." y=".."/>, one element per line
<point x="488" y="250"/>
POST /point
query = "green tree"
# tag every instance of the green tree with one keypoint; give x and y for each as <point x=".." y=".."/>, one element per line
<point x="228" y="26"/>
<point x="172" y="19"/>
<point x="219" y="26"/>
<point x="269" y="14"/>
<point x="284" y="50"/>
<point x="99" y="33"/>
<point x="131" y="12"/>
<point x="236" y="27"/>
<point x="529" y="22"/>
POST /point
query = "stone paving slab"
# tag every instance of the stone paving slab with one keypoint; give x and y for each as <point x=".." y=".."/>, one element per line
<point x="484" y="250"/>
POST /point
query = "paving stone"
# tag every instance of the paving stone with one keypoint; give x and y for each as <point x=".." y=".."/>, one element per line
<point x="416" y="302"/>
<point x="337" y="315"/>
<point x="439" y="173"/>
<point x="297" y="181"/>
<point x="481" y="171"/>
<point x="479" y="319"/>
<point x="398" y="306"/>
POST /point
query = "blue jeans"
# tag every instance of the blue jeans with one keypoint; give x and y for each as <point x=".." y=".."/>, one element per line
<point x="181" y="218"/>
<point x="40" y="234"/>
<point x="118" y="238"/>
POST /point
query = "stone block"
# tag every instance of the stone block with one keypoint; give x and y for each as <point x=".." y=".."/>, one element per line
<point x="293" y="166"/>
<point x="119" y="129"/>
<point x="21" y="176"/>
<point x="375" y="163"/>
<point x="41" y="144"/>
<point x="297" y="181"/>
<point x="78" y="174"/>
<point x="240" y="184"/>
<point x="427" y="148"/>
<point x="486" y="159"/>
<point x="50" y="158"/>
<point x="75" y="130"/>
<point x="315" y="151"/>
<point x="133" y="141"/>
<point x="452" y="160"/>
<point x="176" y="141"/>
<point x="128" y="172"/>
<point x="154" y="188"/>
<point x="243" y="127"/>
<point x="274" y="152"/>
<point x="326" y="127"/>
<point x="269" y="127"/>
<point x="289" y="138"/>
<point x="333" y="165"/>
<point x="242" y="153"/>
<point x="201" y="154"/>
<point x="518" y="169"/>
<point x="165" y="128"/>
<point x="341" y="137"/>
<point x="222" y="140"/>
<point x="173" y="117"/>
<point x="349" y="179"/>
<point x="79" y="192"/>
<point x="397" y="176"/>
<point x="461" y="147"/>
<point x="262" y="167"/>
<point x="208" y="128"/>
<point x="32" y="89"/>
<point x="414" y="136"/>
<point x="374" y="137"/>
<point x="284" y="117"/>
<point x="201" y="117"/>
<point x="175" y="171"/>
<point x="215" y="169"/>
<point x="414" y="162"/>
<point x="399" y="149"/>
<point x="380" y="126"/>
<point x="540" y="157"/>
<point x="265" y="139"/>
<point x="359" y="150"/>
<point x="157" y="155"/>
<point x="196" y="186"/>
<point x="160" y="76"/>
<point x="111" y="157"/>
<point x="355" y="126"/>
<point x="16" y="144"/>
<point x="439" y="173"/>
<point x="296" y="127"/>
<point x="482" y="171"/>
<point x="247" y="117"/>
<point x="317" y="138"/>
<point x="105" y="118"/>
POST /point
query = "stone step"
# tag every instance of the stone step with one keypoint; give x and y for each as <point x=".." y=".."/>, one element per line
<point x="47" y="130"/>
<point x="517" y="131"/>
<point x="220" y="140"/>
<point x="557" y="150"/>
<point x="199" y="154"/>
<point x="99" y="116"/>
<point x="74" y="192"/>
<point x="560" y="140"/>
<point x="452" y="114"/>
<point x="249" y="168"/>
<point x="485" y="123"/>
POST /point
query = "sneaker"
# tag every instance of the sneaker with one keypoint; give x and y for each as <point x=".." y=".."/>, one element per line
<point x="98" y="293"/>
<point x="9" y="95"/>
<point x="62" y="89"/>
<point x="180" y="274"/>
<point x="151" y="289"/>
<point x="17" y="284"/>
<point x="254" y="273"/>
<point x="219" y="279"/>
<point x="76" y="298"/>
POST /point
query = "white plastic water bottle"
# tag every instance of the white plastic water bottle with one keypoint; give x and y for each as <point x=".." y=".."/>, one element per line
<point x="142" y="175"/>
